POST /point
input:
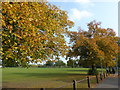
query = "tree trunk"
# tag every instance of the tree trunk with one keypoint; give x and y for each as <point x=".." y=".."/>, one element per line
<point x="93" y="67"/>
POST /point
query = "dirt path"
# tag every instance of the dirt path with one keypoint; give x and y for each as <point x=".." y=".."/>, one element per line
<point x="109" y="82"/>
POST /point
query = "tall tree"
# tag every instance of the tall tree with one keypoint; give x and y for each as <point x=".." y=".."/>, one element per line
<point x="118" y="58"/>
<point x="72" y="63"/>
<point x="95" y="46"/>
<point x="59" y="63"/>
<point x="49" y="63"/>
<point x="34" y="29"/>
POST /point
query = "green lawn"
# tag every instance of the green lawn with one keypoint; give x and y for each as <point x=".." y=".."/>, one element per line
<point x="43" y="77"/>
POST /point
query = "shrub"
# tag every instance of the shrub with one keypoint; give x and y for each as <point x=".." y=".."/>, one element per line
<point x="92" y="72"/>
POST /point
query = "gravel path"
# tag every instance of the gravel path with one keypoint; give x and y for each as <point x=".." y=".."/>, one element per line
<point x="109" y="82"/>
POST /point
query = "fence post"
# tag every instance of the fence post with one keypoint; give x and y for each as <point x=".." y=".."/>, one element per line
<point x="100" y="76"/>
<point x="97" y="78"/>
<point x="104" y="75"/>
<point x="88" y="80"/>
<point x="74" y="85"/>
<point x="42" y="89"/>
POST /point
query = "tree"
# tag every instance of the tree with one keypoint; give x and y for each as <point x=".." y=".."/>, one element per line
<point x="59" y="63"/>
<point x="34" y="29"/>
<point x="0" y="62"/>
<point x="49" y="63"/>
<point x="118" y="58"/>
<point x="72" y="63"/>
<point x="95" y="46"/>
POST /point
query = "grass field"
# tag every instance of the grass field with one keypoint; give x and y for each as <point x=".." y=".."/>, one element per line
<point x="43" y="77"/>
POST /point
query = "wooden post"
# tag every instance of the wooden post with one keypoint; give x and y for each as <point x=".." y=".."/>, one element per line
<point x="104" y="75"/>
<point x="97" y="78"/>
<point x="42" y="89"/>
<point x="100" y="76"/>
<point x="88" y="79"/>
<point x="74" y="85"/>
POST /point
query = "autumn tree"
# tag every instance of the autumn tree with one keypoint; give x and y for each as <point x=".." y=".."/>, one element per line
<point x="72" y="63"/>
<point x="95" y="46"/>
<point x="0" y="62"/>
<point x="118" y="58"/>
<point x="59" y="63"/>
<point x="35" y="29"/>
<point x="49" y="63"/>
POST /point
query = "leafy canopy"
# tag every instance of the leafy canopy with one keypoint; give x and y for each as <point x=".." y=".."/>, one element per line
<point x="95" y="46"/>
<point x="35" y="29"/>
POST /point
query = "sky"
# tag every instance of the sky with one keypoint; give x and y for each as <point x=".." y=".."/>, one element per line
<point x="82" y="12"/>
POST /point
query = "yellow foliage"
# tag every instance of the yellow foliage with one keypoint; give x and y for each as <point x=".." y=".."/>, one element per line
<point x="95" y="45"/>
<point x="34" y="29"/>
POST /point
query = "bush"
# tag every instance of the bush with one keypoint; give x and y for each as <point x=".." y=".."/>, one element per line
<point x="33" y="65"/>
<point x="92" y="72"/>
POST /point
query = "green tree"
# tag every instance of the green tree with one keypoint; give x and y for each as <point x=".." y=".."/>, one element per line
<point x="72" y="63"/>
<point x="0" y="61"/>
<point x="50" y="63"/>
<point x="95" y="46"/>
<point x="59" y="63"/>
<point x="34" y="29"/>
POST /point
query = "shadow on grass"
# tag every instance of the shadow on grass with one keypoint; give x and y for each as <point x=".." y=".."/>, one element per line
<point x="41" y="74"/>
<point x="81" y="74"/>
<point x="78" y="70"/>
<point x="48" y="75"/>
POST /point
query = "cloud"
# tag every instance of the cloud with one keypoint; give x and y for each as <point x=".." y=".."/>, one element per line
<point x="76" y="14"/>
